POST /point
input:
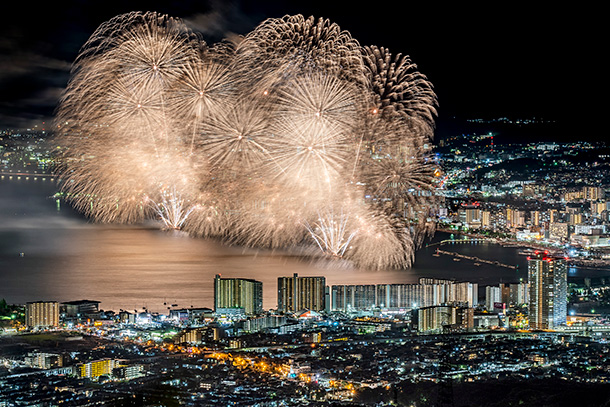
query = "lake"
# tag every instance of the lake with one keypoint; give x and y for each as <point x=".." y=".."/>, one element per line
<point x="49" y="252"/>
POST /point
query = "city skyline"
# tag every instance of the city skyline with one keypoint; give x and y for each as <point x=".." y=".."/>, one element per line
<point x="385" y="335"/>
<point x="185" y="248"/>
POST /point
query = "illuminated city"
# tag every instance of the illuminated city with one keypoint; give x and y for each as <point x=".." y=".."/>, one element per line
<point x="254" y="205"/>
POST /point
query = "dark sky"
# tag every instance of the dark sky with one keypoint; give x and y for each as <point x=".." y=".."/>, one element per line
<point x="484" y="62"/>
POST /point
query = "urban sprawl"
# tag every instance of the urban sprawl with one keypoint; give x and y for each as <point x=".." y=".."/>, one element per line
<point x="540" y="341"/>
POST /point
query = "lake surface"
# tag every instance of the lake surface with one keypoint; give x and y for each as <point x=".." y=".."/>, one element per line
<point x="49" y="252"/>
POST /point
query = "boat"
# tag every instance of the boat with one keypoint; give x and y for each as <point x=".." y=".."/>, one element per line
<point x="456" y="259"/>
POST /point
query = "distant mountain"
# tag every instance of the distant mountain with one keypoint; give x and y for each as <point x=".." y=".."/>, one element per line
<point x="512" y="132"/>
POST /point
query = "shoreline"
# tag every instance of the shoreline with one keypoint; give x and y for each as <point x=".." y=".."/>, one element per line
<point x="594" y="264"/>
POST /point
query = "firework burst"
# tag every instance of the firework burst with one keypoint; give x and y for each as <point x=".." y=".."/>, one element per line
<point x="399" y="89"/>
<point x="331" y="232"/>
<point x="294" y="136"/>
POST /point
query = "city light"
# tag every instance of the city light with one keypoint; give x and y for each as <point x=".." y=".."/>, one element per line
<point x="280" y="218"/>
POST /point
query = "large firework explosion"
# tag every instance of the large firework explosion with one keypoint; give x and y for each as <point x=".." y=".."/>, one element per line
<point x="294" y="136"/>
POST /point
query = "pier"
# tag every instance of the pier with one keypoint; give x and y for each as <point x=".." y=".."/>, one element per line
<point x="457" y="241"/>
<point x="476" y="259"/>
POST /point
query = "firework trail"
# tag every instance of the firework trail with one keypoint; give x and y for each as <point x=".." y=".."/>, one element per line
<point x="295" y="136"/>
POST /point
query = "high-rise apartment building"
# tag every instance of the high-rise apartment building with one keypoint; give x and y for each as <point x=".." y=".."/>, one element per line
<point x="492" y="295"/>
<point x="353" y="297"/>
<point x="444" y="317"/>
<point x="547" y="279"/>
<point x="464" y="293"/>
<point x="470" y="217"/>
<point x="535" y="218"/>
<point x="514" y="218"/>
<point x="40" y="314"/>
<point x="505" y="293"/>
<point x="234" y="293"/>
<point x="486" y="221"/>
<point x="519" y="293"/>
<point x="428" y="292"/>
<point x="299" y="293"/>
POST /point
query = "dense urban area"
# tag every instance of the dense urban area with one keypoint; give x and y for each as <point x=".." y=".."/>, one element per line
<point x="540" y="342"/>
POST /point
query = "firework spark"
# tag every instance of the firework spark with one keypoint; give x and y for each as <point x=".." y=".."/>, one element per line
<point x="296" y="135"/>
<point x="171" y="208"/>
<point x="331" y="233"/>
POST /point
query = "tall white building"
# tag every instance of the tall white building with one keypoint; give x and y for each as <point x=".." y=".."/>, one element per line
<point x="233" y="293"/>
<point x="41" y="314"/>
<point x="429" y="292"/>
<point x="492" y="295"/>
<point x="299" y="293"/>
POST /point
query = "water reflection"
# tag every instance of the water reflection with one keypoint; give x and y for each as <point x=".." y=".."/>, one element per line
<point x="130" y="267"/>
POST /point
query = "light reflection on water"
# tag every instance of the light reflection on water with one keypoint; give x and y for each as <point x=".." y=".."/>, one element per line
<point x="130" y="267"/>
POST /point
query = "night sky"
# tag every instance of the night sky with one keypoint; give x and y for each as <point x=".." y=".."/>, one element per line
<point x="516" y="62"/>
